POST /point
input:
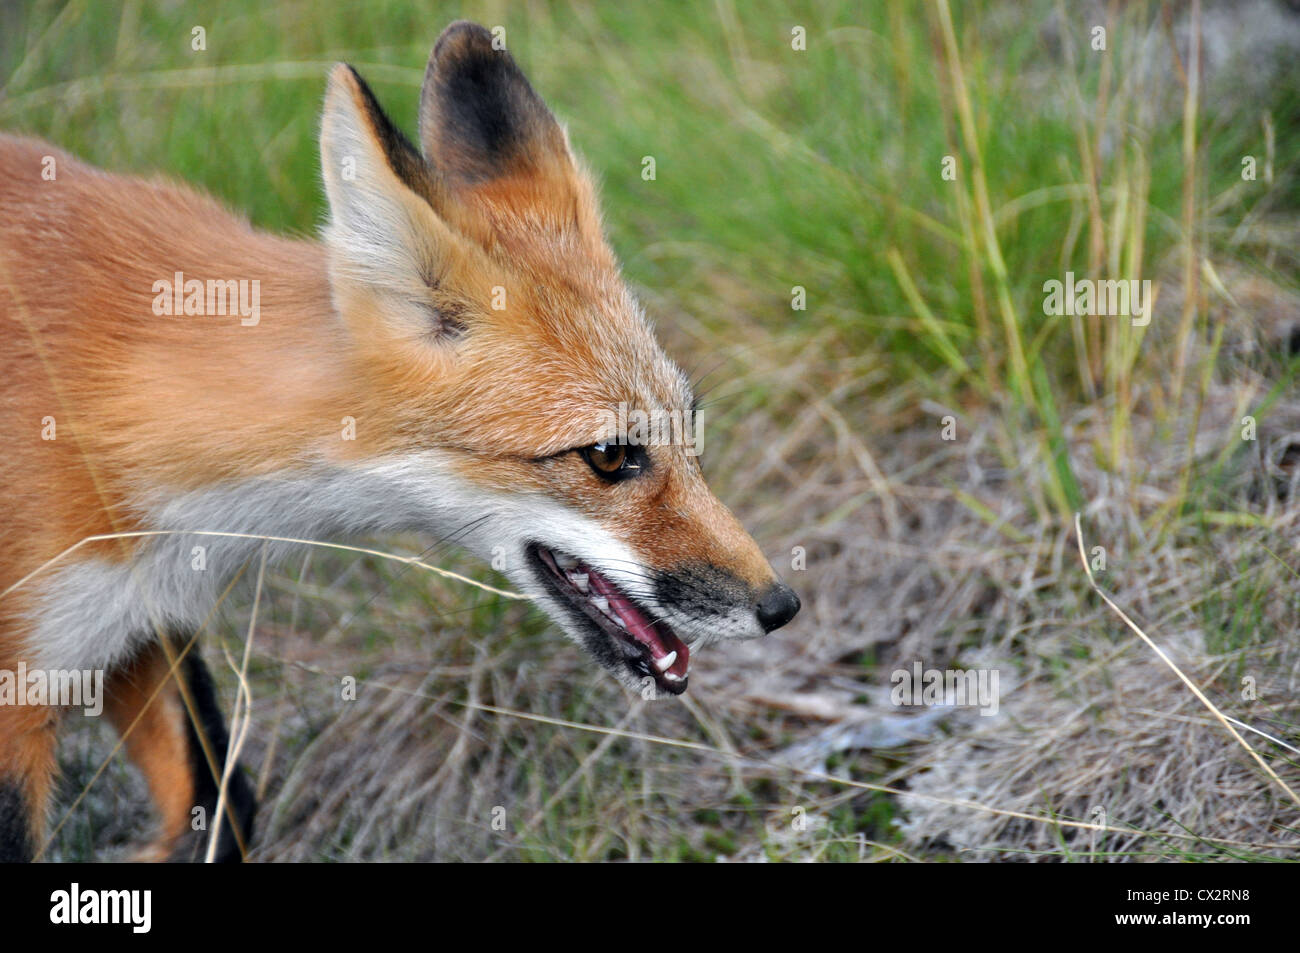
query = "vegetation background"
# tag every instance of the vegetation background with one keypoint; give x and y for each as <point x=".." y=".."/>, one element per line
<point x="478" y="733"/>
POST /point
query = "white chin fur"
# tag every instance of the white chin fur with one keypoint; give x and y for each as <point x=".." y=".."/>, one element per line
<point x="93" y="613"/>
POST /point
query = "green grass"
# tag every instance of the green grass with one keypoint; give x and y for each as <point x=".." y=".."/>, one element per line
<point x="771" y="163"/>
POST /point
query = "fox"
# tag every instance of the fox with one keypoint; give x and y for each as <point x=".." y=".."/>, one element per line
<point x="448" y="357"/>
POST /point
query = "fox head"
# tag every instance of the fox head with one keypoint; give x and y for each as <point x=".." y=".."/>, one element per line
<point x="502" y="357"/>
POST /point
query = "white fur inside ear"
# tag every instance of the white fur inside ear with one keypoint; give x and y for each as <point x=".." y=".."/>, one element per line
<point x="380" y="233"/>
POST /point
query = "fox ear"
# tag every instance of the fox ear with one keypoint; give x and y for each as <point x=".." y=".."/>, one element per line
<point x="486" y="134"/>
<point x="384" y="238"/>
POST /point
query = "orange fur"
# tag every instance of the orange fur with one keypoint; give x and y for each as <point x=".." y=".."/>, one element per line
<point x="168" y="405"/>
<point x="144" y="703"/>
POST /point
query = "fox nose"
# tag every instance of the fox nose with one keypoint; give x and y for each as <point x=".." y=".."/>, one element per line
<point x="777" y="607"/>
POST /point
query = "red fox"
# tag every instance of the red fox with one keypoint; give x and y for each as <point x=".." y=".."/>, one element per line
<point x="452" y="358"/>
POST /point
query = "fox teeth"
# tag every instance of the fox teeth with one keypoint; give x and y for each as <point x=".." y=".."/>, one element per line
<point x="580" y="580"/>
<point x="666" y="662"/>
<point x="565" y="562"/>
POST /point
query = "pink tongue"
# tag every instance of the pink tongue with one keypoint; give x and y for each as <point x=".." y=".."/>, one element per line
<point x="660" y="642"/>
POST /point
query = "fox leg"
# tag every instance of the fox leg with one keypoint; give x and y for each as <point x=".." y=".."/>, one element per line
<point x="27" y="768"/>
<point x="181" y="757"/>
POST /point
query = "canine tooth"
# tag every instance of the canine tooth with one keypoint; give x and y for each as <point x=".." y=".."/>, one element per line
<point x="565" y="562"/>
<point x="580" y="580"/>
<point x="666" y="662"/>
<point x="601" y="603"/>
<point x="671" y="677"/>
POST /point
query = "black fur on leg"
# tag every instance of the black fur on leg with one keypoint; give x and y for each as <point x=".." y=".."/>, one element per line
<point x="15" y="837"/>
<point x="239" y="794"/>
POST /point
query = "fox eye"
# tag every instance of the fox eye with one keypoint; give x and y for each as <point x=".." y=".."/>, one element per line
<point x="613" y="461"/>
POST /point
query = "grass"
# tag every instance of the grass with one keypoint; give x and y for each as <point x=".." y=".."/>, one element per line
<point x="820" y="169"/>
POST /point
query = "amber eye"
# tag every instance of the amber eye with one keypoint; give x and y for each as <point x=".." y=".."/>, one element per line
<point x="612" y="461"/>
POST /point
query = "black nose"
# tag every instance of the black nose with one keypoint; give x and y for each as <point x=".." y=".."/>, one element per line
<point x="777" y="607"/>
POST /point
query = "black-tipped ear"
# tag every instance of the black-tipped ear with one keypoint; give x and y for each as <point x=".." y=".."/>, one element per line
<point x="403" y="158"/>
<point x="479" y="117"/>
<point x="386" y="240"/>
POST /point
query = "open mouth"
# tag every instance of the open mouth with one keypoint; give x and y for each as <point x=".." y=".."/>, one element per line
<point x="646" y="646"/>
